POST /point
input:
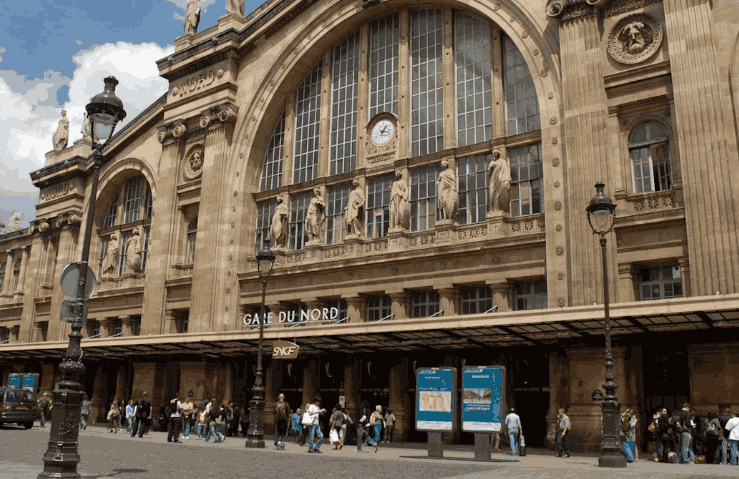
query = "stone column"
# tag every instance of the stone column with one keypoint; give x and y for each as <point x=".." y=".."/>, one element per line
<point x="626" y="290"/>
<point x="685" y="273"/>
<point x="448" y="301"/>
<point x="98" y="408"/>
<point x="324" y="130"/>
<point x="170" y="319"/>
<point x="449" y="86"/>
<point x="586" y="137"/>
<point x="502" y="296"/>
<point x="8" y="279"/>
<point x="355" y="309"/>
<point x="363" y="93"/>
<point x="106" y="327"/>
<point x="59" y="331"/>
<point x="398" y="400"/>
<point x="351" y="387"/>
<point x="707" y="145"/>
<point x="310" y="381"/>
<point x="400" y="305"/>
<point x="127" y="326"/>
<point x="22" y="278"/>
<point x="15" y="333"/>
<point x="210" y="305"/>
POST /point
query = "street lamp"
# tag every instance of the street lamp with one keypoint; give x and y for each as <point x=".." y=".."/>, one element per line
<point x="61" y="458"/>
<point x="601" y="215"/>
<point x="255" y="434"/>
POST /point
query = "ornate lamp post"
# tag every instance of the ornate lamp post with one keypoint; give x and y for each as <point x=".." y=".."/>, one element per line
<point x="601" y="215"/>
<point x="255" y="434"/>
<point x="61" y="458"/>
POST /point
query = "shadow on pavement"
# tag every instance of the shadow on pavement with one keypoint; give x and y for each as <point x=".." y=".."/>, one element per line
<point x="115" y="473"/>
<point x="454" y="458"/>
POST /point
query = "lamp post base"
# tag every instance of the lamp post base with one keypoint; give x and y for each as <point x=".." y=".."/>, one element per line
<point x="611" y="453"/>
<point x="612" y="459"/>
<point x="61" y="457"/>
<point x="255" y="434"/>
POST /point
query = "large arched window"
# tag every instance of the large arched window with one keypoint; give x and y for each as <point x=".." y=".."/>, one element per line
<point x="650" y="158"/>
<point x="440" y="102"/>
<point x="192" y="231"/>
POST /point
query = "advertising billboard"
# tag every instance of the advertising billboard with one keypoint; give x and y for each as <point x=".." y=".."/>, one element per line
<point x="435" y="403"/>
<point x="482" y="398"/>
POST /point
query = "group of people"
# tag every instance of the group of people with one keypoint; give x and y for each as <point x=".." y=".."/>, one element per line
<point x="681" y="436"/>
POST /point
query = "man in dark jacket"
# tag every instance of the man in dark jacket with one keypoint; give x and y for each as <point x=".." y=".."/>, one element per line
<point x="662" y="435"/>
<point x="686" y="439"/>
<point x="143" y="406"/>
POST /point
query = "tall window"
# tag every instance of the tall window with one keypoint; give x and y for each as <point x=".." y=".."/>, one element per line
<point x="522" y="106"/>
<point x="339" y="304"/>
<point x="472" y="58"/>
<point x="148" y="202"/>
<point x="298" y="207"/>
<point x="183" y="321"/>
<point x="136" y="326"/>
<point x="145" y="249"/>
<point x="424" y="304"/>
<point x="378" y="307"/>
<point x="103" y="251"/>
<point x="660" y="282"/>
<point x="117" y="329"/>
<point x="527" y="196"/>
<point x="307" y="123"/>
<point x="265" y="211"/>
<point x="122" y="263"/>
<point x="474" y="186"/>
<point x="135" y="190"/>
<point x="531" y="295"/>
<point x="111" y="213"/>
<point x="476" y="299"/>
<point x="16" y="274"/>
<point x="4" y="335"/>
<point x="337" y="199"/>
<point x="272" y="169"/>
<point x="427" y="106"/>
<point x="192" y="232"/>
<point x="650" y="157"/>
<point x="377" y="209"/>
<point x="344" y="77"/>
<point x="42" y="329"/>
<point x="384" y="37"/>
<point x="423" y="197"/>
<point x="93" y="328"/>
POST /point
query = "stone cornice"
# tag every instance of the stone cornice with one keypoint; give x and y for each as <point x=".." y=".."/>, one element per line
<point x="566" y="10"/>
<point x="617" y="7"/>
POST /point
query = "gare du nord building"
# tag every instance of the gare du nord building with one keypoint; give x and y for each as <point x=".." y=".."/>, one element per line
<point x="640" y="94"/>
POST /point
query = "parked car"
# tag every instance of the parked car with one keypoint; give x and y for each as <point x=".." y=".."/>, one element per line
<point x="18" y="406"/>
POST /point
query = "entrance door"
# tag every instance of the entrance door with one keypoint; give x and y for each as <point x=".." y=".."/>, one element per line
<point x="532" y="407"/>
<point x="667" y="379"/>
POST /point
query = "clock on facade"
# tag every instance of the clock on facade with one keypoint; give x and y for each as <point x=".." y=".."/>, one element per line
<point x="383" y="131"/>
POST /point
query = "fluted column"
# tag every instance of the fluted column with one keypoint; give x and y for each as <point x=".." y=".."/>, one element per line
<point x="626" y="290"/>
<point x="400" y="305"/>
<point x="355" y="309"/>
<point x="8" y="279"/>
<point x="34" y="277"/>
<point x="448" y="301"/>
<point x="502" y="296"/>
<point x="708" y="150"/>
<point x="66" y="246"/>
<point x="22" y="275"/>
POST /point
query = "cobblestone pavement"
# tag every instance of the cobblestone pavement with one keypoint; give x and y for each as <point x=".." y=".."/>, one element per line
<point x="119" y="456"/>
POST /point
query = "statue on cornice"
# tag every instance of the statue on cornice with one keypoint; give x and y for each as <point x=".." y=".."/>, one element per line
<point x="15" y="221"/>
<point x="192" y="17"/>
<point x="448" y="193"/>
<point x="133" y="251"/>
<point x="61" y="137"/>
<point x="110" y="262"/>
<point x="315" y="217"/>
<point x="353" y="212"/>
<point x="500" y="182"/>
<point x="235" y="6"/>
<point x="280" y="224"/>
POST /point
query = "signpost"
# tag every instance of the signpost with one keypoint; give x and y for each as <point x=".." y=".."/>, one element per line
<point x="70" y="276"/>
<point x="482" y="405"/>
<point x="435" y="405"/>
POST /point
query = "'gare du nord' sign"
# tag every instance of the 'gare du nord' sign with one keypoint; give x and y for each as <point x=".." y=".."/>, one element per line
<point x="292" y="317"/>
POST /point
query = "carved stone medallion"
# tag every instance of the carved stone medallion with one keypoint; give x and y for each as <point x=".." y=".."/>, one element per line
<point x="635" y="38"/>
<point x="194" y="164"/>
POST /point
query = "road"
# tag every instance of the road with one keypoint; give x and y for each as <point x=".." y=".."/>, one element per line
<point x="122" y="457"/>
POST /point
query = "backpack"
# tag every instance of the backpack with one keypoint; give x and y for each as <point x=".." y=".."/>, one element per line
<point x="712" y="430"/>
<point x="280" y="412"/>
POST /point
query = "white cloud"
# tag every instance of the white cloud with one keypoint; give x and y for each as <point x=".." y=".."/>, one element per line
<point x="2" y="50"/>
<point x="79" y="42"/>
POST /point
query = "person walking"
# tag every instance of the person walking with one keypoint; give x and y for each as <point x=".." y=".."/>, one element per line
<point x="282" y="416"/>
<point x="713" y="435"/>
<point x="233" y="423"/>
<point x="389" y="425"/>
<point x="114" y="417"/>
<point x="686" y="439"/>
<point x="376" y="421"/>
<point x="143" y="407"/>
<point x="563" y="434"/>
<point x="732" y="425"/>
<point x="628" y="434"/>
<point x="297" y="428"/>
<point x="338" y="423"/>
<point x="188" y="408"/>
<point x="315" y="411"/>
<point x="223" y="412"/>
<point x="129" y="416"/>
<point x="244" y="420"/>
<point x="174" y="415"/>
<point x="662" y="436"/>
<point x="84" y="412"/>
<point x="202" y="419"/>
<point x="307" y="423"/>
<point x="45" y="405"/>
<point x="515" y="429"/>
<point x="723" y="419"/>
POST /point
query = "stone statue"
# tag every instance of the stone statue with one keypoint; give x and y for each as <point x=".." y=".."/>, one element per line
<point x="279" y="224"/>
<point x="192" y="17"/>
<point x="15" y="221"/>
<point x="61" y="137"/>
<point x="133" y="251"/>
<point x="399" y="202"/>
<point x="353" y="211"/>
<point x="234" y="6"/>
<point x="315" y="218"/>
<point x="500" y="182"/>
<point x="110" y="262"/>
<point x="447" y="191"/>
<point x="87" y="129"/>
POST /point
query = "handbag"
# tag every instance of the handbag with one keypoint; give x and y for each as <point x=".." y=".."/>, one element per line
<point x="333" y="436"/>
<point x="521" y="446"/>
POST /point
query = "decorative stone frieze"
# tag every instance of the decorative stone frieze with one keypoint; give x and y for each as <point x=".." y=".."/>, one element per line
<point x="635" y="38"/>
<point x="618" y="7"/>
<point x="58" y="190"/>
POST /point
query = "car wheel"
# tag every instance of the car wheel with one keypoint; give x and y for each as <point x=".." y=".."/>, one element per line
<point x="28" y="425"/>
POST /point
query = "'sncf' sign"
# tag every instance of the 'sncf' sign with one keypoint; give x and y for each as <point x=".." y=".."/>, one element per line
<point x="284" y="350"/>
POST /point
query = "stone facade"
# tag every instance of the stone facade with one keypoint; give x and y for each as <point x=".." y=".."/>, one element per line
<point x="635" y="93"/>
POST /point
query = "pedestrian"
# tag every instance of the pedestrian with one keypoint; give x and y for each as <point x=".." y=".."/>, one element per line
<point x="563" y="434"/>
<point x="233" y="424"/>
<point x="723" y="419"/>
<point x="282" y="416"/>
<point x="686" y="439"/>
<point x="188" y="408"/>
<point x="713" y="434"/>
<point x="244" y="420"/>
<point x="223" y="411"/>
<point x="515" y="429"/>
<point x="143" y="407"/>
<point x="114" y="417"/>
<point x="202" y="419"/>
<point x="129" y="416"/>
<point x="315" y="411"/>
<point x="628" y="434"/>
<point x="676" y="436"/>
<point x="389" y="425"/>
<point x="45" y="404"/>
<point x="338" y="422"/>
<point x="662" y="436"/>
<point x="84" y="411"/>
<point x="696" y="433"/>
<point x="215" y="420"/>
<point x="362" y="425"/>
<point x="174" y="416"/>
<point x="732" y="425"/>
<point x="297" y="427"/>
<point x="376" y="421"/>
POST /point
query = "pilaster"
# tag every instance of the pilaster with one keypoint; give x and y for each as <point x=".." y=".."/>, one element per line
<point x="404" y="87"/>
<point x="57" y="330"/>
<point x="351" y="387"/>
<point x="685" y="273"/>
<point x="324" y="133"/>
<point x="355" y="309"/>
<point x="144" y="376"/>
<point x="708" y="149"/>
<point x="400" y="305"/>
<point x="502" y="296"/>
<point x="626" y="291"/>
<point x="398" y="399"/>
<point x="8" y="279"/>
<point x="448" y="301"/>
<point x="448" y="89"/>
<point x="33" y="278"/>
<point x="362" y="93"/>
<point x="22" y="278"/>
<point x="127" y="326"/>
<point x="310" y="381"/>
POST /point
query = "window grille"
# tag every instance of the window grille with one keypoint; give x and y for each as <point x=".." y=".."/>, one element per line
<point x="378" y="307"/>
<point x="423" y="197"/>
<point x="134" y="191"/>
<point x="531" y="295"/>
<point x="473" y="67"/>
<point x="344" y="78"/>
<point x="272" y="169"/>
<point x="650" y="157"/>
<point x="307" y="125"/>
<point x="111" y="213"/>
<point x="424" y="304"/>
<point x="474" y="188"/>
<point x="265" y="211"/>
<point x="476" y="299"/>
<point x="337" y="199"/>
<point x="660" y="282"/>
<point x="526" y="194"/>
<point x="16" y="274"/>
<point x="298" y="207"/>
<point x="384" y="38"/>
<point x="377" y="209"/>
<point x="522" y="106"/>
<point x="192" y="232"/>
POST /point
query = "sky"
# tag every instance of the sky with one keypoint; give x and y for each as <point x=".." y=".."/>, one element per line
<point x="54" y="55"/>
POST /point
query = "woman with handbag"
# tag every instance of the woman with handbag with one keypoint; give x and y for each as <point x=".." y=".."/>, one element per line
<point x="114" y="417"/>
<point x="378" y="422"/>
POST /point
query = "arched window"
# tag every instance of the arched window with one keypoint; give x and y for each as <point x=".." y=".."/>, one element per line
<point x="192" y="231"/>
<point x="272" y="169"/>
<point x="650" y="158"/>
<point x="111" y="214"/>
<point x="16" y="274"/>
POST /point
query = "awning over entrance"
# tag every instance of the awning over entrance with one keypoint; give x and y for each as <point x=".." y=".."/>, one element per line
<point x="549" y="328"/>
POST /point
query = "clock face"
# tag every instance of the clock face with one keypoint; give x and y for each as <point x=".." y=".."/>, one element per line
<point x="383" y="131"/>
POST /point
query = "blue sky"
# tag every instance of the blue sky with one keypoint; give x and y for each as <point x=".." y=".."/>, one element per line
<point x="54" y="55"/>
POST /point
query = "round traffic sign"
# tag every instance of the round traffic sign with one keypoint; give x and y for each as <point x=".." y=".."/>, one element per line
<point x="71" y="275"/>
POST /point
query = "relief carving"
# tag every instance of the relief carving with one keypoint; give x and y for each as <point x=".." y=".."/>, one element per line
<point x="635" y="38"/>
<point x="194" y="164"/>
<point x="193" y="83"/>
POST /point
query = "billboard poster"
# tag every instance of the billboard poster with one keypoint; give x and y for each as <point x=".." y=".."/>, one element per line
<point x="482" y="398"/>
<point x="14" y="380"/>
<point x="435" y="404"/>
<point x="29" y="382"/>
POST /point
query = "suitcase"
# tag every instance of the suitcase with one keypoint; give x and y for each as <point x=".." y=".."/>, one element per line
<point x="521" y="446"/>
